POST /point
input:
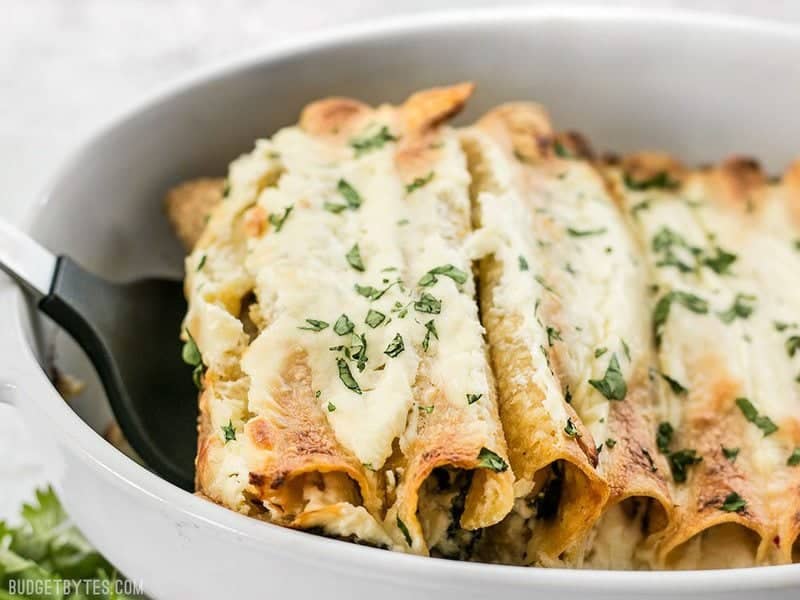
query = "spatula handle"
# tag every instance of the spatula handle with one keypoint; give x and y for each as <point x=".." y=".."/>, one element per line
<point x="25" y="261"/>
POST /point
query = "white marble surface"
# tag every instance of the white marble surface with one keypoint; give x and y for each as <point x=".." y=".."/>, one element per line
<point x="67" y="65"/>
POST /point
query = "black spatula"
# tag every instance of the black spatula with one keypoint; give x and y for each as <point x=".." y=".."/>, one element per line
<point x="130" y="333"/>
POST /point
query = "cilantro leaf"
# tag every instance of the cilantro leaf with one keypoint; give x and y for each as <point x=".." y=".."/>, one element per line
<point x="613" y="385"/>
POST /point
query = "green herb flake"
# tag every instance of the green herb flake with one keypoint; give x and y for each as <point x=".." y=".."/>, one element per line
<point x="191" y="353"/>
<point x="730" y="453"/>
<point x="419" y="182"/>
<point x="793" y="345"/>
<point x="334" y="208"/>
<point x="331" y="407"/>
<point x="561" y="150"/>
<point x="473" y="398"/>
<point x="661" y="180"/>
<point x="675" y="385"/>
<point x="794" y="458"/>
<point x="639" y="207"/>
<point x="427" y="303"/>
<point x="226" y="189"/>
<point x="571" y="430"/>
<point x="553" y="334"/>
<point x="586" y="232"/>
<point x="523" y="263"/>
<point x="610" y="443"/>
<point x="454" y="273"/>
<point x="626" y="350"/>
<point x="426" y="409"/>
<point x="540" y="280"/>
<point x="277" y="221"/>
<point x="374" y="318"/>
<point x="395" y="347"/>
<point x="430" y="333"/>
<point x="733" y="503"/>
<point x="598" y="352"/>
<point x="742" y="308"/>
<point x="202" y="262"/>
<point x="662" y="309"/>
<point x="613" y="385"/>
<point x="349" y="193"/>
<point x="343" y="325"/>
<point x="346" y="376"/>
<point x="372" y="142"/>
<point x="680" y="461"/>
<point x="720" y="262"/>
<point x="404" y="530"/>
<point x="750" y="413"/>
<point x="353" y="257"/>
<point x="490" y="460"/>
<point x="664" y="437"/>
<point x="229" y="431"/>
<point x="314" y="325"/>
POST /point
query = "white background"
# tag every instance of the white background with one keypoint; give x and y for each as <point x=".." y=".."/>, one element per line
<point x="67" y="65"/>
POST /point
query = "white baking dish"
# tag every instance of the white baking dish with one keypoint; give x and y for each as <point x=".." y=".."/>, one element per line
<point x="700" y="86"/>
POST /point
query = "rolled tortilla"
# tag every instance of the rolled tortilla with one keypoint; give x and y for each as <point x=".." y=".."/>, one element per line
<point x="525" y="203"/>
<point x="332" y="386"/>
<point x="728" y="388"/>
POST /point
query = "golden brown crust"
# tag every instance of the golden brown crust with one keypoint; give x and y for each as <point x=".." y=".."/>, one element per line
<point x="189" y="204"/>
<point x="335" y="116"/>
<point x="297" y="440"/>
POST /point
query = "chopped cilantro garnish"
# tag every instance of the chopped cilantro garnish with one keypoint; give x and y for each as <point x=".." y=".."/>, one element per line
<point x="742" y="308"/>
<point x="523" y="263"/>
<point x="674" y="385"/>
<point x="374" y="318"/>
<point x="395" y="347"/>
<point x="226" y="189"/>
<point x="419" y="182"/>
<point x="331" y="407"/>
<point x="372" y="142"/>
<point x="552" y="334"/>
<point x="613" y="385"/>
<point x="571" y="430"/>
<point x="430" y="332"/>
<point x="661" y="179"/>
<point x="473" y="398"/>
<point x="277" y="221"/>
<point x="664" y="437"/>
<point x="450" y="271"/>
<point x="730" y="453"/>
<point x="490" y="460"/>
<point x="334" y="208"/>
<point x="202" y="262"/>
<point x="428" y="304"/>
<point x="191" y="356"/>
<point x="662" y="309"/>
<point x="793" y="345"/>
<point x="721" y="262"/>
<point x="343" y="325"/>
<point x="353" y="257"/>
<point x="794" y="458"/>
<point x="598" y="352"/>
<point x="404" y="530"/>
<point x="561" y="150"/>
<point x="733" y="503"/>
<point x="750" y="413"/>
<point x="349" y="193"/>
<point x="610" y="443"/>
<point x="314" y="325"/>
<point x="626" y="350"/>
<point x="346" y="376"/>
<point x="426" y="409"/>
<point x="586" y="232"/>
<point x="229" y="431"/>
<point x="373" y="293"/>
<point x="680" y="461"/>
